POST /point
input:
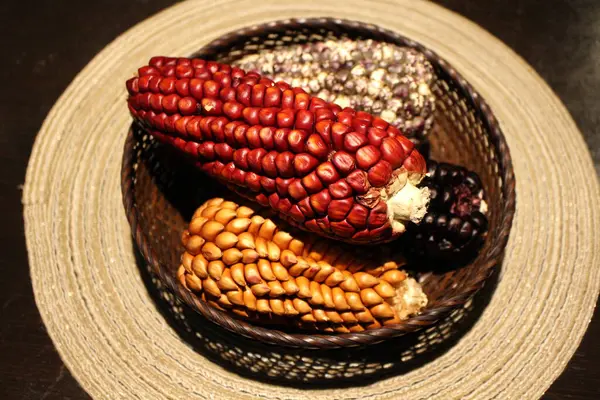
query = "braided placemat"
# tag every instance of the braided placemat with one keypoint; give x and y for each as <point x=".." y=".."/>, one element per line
<point x="98" y="305"/>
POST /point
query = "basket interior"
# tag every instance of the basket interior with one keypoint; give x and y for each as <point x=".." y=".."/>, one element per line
<point x="167" y="190"/>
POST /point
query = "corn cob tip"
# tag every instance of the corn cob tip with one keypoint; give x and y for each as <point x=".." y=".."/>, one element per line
<point x="409" y="204"/>
<point x="409" y="298"/>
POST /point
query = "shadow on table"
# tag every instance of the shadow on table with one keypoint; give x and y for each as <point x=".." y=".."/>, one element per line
<point x="314" y="369"/>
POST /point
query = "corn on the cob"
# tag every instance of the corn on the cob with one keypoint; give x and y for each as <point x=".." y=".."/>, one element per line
<point x="337" y="172"/>
<point x="456" y="223"/>
<point x="377" y="77"/>
<point x="302" y="280"/>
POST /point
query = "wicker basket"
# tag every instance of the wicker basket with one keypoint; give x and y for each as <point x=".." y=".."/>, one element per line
<point x="158" y="198"/>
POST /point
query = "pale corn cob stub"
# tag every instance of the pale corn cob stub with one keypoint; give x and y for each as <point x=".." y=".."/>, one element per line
<point x="289" y="277"/>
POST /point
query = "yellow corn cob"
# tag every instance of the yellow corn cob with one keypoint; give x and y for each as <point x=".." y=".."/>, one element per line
<point x="266" y="271"/>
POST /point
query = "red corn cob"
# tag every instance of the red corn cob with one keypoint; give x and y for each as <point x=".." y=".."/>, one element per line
<point x="337" y="172"/>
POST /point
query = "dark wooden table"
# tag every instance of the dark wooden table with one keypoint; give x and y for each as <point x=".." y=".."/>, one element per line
<point x="46" y="43"/>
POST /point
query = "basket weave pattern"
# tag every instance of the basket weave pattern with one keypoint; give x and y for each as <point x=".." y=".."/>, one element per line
<point x="158" y="198"/>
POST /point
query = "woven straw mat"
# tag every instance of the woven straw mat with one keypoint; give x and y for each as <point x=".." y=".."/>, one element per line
<point x="117" y="344"/>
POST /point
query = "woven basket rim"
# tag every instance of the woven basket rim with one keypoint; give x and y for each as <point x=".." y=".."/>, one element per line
<point x="429" y="316"/>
